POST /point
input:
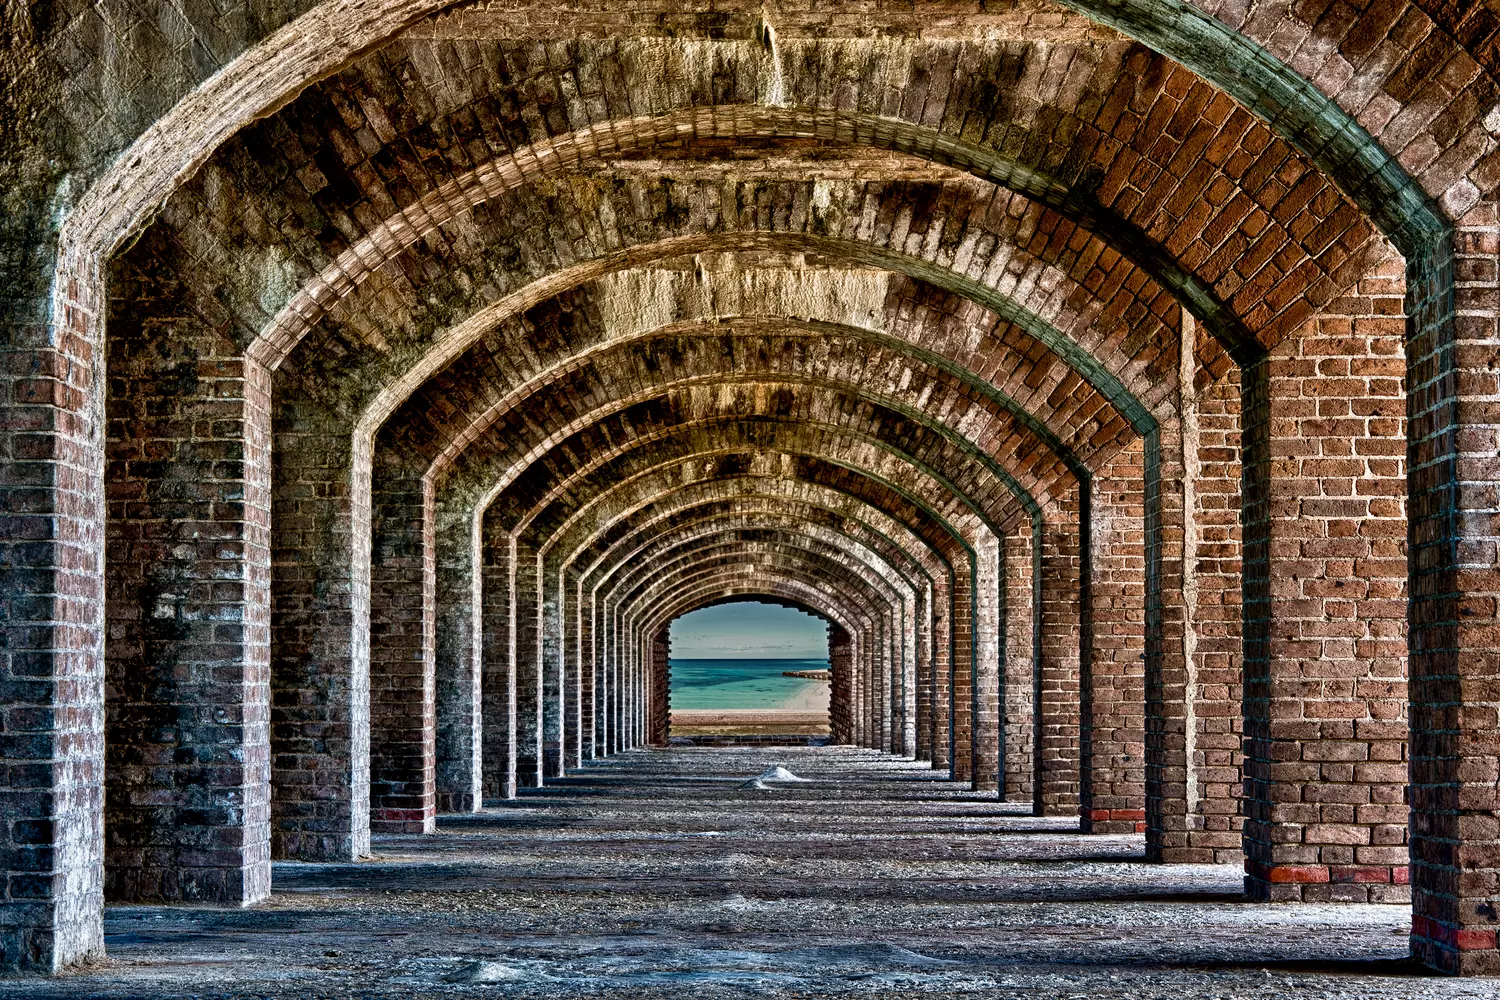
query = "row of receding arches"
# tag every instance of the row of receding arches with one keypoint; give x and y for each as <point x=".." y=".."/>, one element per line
<point x="1084" y="404"/>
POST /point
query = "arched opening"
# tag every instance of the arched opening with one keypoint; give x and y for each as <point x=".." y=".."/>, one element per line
<point x="750" y="672"/>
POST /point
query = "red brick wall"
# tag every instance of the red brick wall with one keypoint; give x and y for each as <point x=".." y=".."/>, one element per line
<point x="1056" y="709"/>
<point x="1112" y="687"/>
<point x="1020" y="660"/>
<point x="1217" y="705"/>
<point x="1324" y="615"/>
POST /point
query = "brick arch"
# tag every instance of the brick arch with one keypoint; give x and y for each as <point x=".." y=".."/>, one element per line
<point x="645" y="496"/>
<point x="731" y="542"/>
<point x="268" y="74"/>
<point x="432" y="423"/>
<point x="602" y="551"/>
<point x="890" y="129"/>
<point x="933" y="576"/>
<point x="889" y="497"/>
<point x="830" y="558"/>
<point x="870" y="709"/>
<point x="733" y="536"/>
<point x="558" y="156"/>
<point x="844" y="639"/>
<point x="894" y="589"/>
<point x="855" y="249"/>
<point x="848" y="448"/>
<point x="695" y="521"/>
<point x="809" y="571"/>
<point x="497" y="473"/>
<point x="868" y="544"/>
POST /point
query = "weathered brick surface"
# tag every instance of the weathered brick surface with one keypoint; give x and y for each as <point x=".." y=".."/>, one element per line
<point x="436" y="248"/>
<point x="1056" y="705"/>
<point x="1022" y="649"/>
<point x="52" y="799"/>
<point x="1452" y="439"/>
<point x="320" y="644"/>
<point x="403" y="680"/>
<point x="459" y="661"/>
<point x="187" y="559"/>
<point x="1216" y="627"/>
<point x="1325" y="588"/>
<point x="1112" y="747"/>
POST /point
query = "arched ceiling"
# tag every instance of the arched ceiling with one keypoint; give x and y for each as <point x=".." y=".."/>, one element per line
<point x="573" y="279"/>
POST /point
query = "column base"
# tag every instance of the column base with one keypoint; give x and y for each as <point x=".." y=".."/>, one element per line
<point x="1327" y="883"/>
<point x="1458" y="951"/>
<point x="403" y="821"/>
<point x="202" y="884"/>
<point x="1112" y="821"/>
<point x="458" y="802"/>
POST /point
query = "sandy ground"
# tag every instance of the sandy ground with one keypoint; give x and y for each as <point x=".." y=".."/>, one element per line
<point x="812" y="696"/>
<point x="663" y="875"/>
<point x="803" y="712"/>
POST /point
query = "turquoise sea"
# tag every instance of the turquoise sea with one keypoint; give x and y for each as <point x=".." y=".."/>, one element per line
<point x="736" y="683"/>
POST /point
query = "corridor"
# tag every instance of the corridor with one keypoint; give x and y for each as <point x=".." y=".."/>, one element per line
<point x="660" y="874"/>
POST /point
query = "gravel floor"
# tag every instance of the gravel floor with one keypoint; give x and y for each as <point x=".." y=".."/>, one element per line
<point x="659" y="874"/>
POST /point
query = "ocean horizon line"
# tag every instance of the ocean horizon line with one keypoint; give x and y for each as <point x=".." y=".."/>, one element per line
<point x="789" y="659"/>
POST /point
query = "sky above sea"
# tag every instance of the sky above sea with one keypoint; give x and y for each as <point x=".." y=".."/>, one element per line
<point x="749" y="630"/>
<point x="732" y="656"/>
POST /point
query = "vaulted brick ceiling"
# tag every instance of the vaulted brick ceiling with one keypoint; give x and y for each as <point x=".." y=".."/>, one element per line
<point x="613" y="283"/>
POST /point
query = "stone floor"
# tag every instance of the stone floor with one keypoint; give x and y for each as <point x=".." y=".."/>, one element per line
<point x="659" y="874"/>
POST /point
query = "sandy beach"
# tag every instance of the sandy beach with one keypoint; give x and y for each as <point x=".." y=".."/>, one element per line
<point x="811" y="696"/>
<point x="804" y="711"/>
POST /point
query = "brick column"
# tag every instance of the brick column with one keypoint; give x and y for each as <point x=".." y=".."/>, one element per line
<point x="574" y="737"/>
<point x="636" y="646"/>
<point x="498" y="702"/>
<point x="1454" y="399"/>
<point x="926" y="661"/>
<point x="603" y="687"/>
<point x="320" y="638"/>
<point x="895" y="701"/>
<point x="188" y="674"/>
<point x="51" y="657"/>
<point x="659" y="682"/>
<point x="1056" y="718"/>
<point x="187" y="563"/>
<point x="616" y="679"/>
<point x="459" y="661"/>
<point x="580" y="724"/>
<point x="903" y="686"/>
<point x="1112" y="793"/>
<point x="942" y="672"/>
<point x="1324" y="586"/>
<point x="553" y="687"/>
<point x="984" y="700"/>
<point x="869" y="734"/>
<point x="1217" y="641"/>
<point x="840" y="664"/>
<point x="403" y="625"/>
<point x="880" y="685"/>
<point x="1021" y="652"/>
<point x="527" y="661"/>
<point x="959" y="693"/>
